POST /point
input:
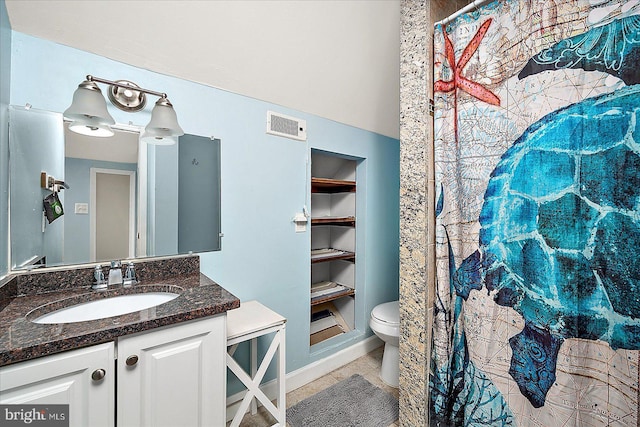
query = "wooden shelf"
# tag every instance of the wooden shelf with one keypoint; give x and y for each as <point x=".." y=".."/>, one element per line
<point x="348" y="221"/>
<point x="339" y="329"/>
<point x="328" y="185"/>
<point x="333" y="223"/>
<point x="332" y="255"/>
<point x="333" y="296"/>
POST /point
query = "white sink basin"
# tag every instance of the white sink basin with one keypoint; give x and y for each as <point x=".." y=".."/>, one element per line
<point x="106" y="307"/>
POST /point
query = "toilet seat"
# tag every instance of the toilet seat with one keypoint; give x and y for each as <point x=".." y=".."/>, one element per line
<point x="387" y="313"/>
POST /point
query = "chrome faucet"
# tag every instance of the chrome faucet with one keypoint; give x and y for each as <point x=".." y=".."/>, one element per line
<point x="130" y="275"/>
<point x="115" y="273"/>
<point x="99" y="282"/>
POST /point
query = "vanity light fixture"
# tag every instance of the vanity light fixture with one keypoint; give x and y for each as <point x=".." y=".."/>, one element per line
<point x="89" y="115"/>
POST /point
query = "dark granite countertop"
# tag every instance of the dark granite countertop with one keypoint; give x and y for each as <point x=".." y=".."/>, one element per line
<point x="21" y="339"/>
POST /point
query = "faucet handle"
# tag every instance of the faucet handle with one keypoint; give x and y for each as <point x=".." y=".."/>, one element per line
<point x="99" y="281"/>
<point x="116" y="264"/>
<point x="130" y="274"/>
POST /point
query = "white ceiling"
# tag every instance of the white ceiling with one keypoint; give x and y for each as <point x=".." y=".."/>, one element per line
<point x="337" y="59"/>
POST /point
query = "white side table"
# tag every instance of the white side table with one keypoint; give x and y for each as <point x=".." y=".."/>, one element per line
<point x="250" y="321"/>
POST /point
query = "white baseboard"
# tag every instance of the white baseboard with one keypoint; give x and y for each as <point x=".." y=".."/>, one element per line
<point x="322" y="367"/>
<point x="310" y="372"/>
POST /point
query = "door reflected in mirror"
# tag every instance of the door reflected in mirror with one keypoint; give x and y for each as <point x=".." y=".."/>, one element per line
<point x="100" y="205"/>
<point x="126" y="199"/>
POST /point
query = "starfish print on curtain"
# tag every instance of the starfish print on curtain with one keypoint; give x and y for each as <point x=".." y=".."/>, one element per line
<point x="458" y="81"/>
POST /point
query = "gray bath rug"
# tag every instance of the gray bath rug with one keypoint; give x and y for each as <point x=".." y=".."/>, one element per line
<point x="349" y="403"/>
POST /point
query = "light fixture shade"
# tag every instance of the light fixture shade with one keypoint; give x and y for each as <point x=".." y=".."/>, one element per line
<point x="88" y="111"/>
<point x="159" y="140"/>
<point x="163" y="129"/>
<point x="91" y="128"/>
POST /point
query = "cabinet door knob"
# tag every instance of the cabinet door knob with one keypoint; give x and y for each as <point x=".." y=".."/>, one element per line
<point x="132" y="360"/>
<point x="98" y="374"/>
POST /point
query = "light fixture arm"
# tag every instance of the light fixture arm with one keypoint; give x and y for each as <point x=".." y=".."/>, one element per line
<point x="125" y="86"/>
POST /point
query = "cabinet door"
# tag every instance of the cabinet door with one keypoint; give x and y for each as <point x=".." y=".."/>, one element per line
<point x="66" y="378"/>
<point x="174" y="376"/>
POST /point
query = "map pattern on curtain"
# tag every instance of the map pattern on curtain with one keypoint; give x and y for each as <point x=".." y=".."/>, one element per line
<point x="537" y="155"/>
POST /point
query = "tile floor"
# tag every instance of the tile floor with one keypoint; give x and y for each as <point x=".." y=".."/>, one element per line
<point x="368" y="366"/>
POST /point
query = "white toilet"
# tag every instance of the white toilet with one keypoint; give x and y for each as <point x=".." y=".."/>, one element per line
<point x="385" y="323"/>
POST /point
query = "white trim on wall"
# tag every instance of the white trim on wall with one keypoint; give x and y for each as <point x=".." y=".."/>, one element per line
<point x="141" y="234"/>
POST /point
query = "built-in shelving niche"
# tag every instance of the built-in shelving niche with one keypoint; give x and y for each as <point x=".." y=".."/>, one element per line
<point x="333" y="246"/>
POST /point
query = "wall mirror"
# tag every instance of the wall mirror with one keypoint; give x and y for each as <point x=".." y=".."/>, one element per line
<point x="121" y="198"/>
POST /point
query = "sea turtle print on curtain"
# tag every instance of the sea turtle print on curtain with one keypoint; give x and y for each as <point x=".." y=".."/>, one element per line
<point x="537" y="314"/>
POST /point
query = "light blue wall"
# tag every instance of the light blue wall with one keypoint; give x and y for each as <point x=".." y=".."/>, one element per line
<point x="5" y="79"/>
<point x="265" y="181"/>
<point x="76" y="226"/>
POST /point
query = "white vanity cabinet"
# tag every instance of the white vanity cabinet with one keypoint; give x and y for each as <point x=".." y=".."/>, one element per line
<point x="169" y="376"/>
<point x="84" y="379"/>
<point x="173" y="376"/>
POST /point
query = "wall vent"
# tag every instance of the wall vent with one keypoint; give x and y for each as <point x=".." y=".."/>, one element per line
<point x="289" y="127"/>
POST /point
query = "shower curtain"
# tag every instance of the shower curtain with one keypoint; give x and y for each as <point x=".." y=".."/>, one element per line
<point x="536" y="317"/>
